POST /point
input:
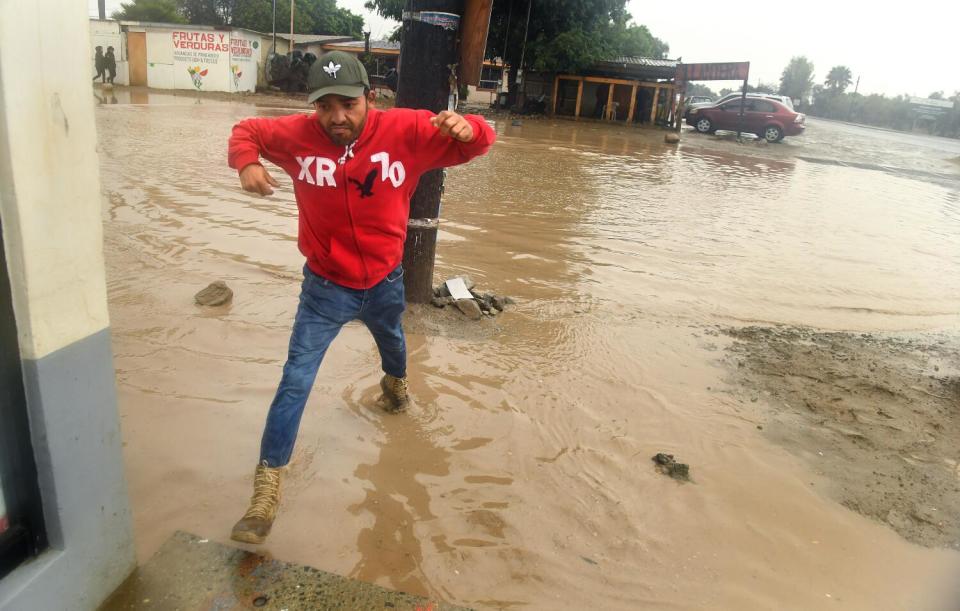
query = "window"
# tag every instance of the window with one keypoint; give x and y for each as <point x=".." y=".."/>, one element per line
<point x="733" y="106"/>
<point x="490" y="77"/>
<point x="763" y="106"/>
<point x="380" y="65"/>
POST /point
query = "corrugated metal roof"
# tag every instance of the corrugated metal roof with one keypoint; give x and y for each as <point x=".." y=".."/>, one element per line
<point x="374" y="44"/>
<point x="308" y="39"/>
<point x="642" y="61"/>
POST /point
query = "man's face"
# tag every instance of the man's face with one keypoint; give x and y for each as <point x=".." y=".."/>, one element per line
<point x="343" y="118"/>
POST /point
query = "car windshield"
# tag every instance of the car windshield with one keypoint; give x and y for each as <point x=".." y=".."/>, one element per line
<point x="785" y="100"/>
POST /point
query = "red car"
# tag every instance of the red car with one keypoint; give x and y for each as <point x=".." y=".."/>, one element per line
<point x="767" y="119"/>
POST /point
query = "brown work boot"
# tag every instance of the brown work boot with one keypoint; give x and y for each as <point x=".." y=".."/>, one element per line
<point x="395" y="392"/>
<point x="255" y="525"/>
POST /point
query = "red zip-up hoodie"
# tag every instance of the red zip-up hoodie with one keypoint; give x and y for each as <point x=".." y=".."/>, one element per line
<point x="354" y="201"/>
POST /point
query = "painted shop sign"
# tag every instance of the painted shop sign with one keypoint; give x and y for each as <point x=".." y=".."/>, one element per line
<point x="200" y="60"/>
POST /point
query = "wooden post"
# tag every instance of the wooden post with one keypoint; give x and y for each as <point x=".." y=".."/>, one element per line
<point x="428" y="49"/>
<point x="743" y="107"/>
<point x="473" y="40"/>
<point x="681" y="86"/>
<point x="653" y="111"/>
<point x="672" y="114"/>
<point x="576" y="113"/>
<point x="556" y="89"/>
<point x="678" y="115"/>
<point x="633" y="103"/>
<point x="609" y="114"/>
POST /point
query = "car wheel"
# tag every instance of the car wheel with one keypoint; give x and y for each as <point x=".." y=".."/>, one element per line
<point x="772" y="133"/>
<point x="704" y="126"/>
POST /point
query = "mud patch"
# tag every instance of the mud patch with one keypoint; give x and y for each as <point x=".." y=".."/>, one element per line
<point x="430" y="321"/>
<point x="878" y="416"/>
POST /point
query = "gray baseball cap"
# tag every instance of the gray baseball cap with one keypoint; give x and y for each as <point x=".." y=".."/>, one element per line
<point x="339" y="73"/>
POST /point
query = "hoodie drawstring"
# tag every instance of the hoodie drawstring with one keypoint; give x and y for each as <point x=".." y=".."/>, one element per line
<point x="347" y="153"/>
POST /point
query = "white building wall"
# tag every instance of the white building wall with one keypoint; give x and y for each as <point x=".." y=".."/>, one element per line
<point x="159" y="59"/>
<point x="50" y="125"/>
<point x="50" y="212"/>
<point x="246" y="53"/>
<point x="185" y="57"/>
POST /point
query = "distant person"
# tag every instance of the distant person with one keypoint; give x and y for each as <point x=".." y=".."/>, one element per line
<point x="354" y="170"/>
<point x="110" y="64"/>
<point x="600" y="106"/>
<point x="100" y="63"/>
<point x="391" y="79"/>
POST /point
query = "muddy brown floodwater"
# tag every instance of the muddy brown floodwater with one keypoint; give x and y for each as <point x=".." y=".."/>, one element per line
<point x="784" y="319"/>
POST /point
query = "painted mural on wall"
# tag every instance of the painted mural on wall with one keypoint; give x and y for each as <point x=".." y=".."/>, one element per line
<point x="201" y="60"/>
<point x="244" y="61"/>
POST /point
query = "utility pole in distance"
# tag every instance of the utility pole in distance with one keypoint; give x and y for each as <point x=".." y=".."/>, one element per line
<point x="428" y="56"/>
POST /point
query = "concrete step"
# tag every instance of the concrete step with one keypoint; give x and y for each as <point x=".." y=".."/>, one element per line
<point x="189" y="573"/>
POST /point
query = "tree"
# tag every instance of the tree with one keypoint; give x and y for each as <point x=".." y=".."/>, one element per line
<point x="564" y="35"/>
<point x="797" y="79"/>
<point x="637" y="41"/>
<point x="839" y="78"/>
<point x="700" y="89"/>
<point x="310" y="16"/>
<point x="207" y="12"/>
<point x="160" y="11"/>
<point x="764" y="87"/>
<point x="391" y="9"/>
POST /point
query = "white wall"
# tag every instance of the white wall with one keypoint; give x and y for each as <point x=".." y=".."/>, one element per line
<point x="246" y="52"/>
<point x="159" y="59"/>
<point x="201" y="59"/>
<point x="174" y="51"/>
<point x="51" y="228"/>
<point x="480" y="97"/>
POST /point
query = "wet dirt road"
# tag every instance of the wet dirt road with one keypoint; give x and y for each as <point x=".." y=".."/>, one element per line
<point x="523" y="478"/>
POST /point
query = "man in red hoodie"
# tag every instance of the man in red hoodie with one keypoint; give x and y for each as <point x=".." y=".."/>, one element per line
<point x="354" y="169"/>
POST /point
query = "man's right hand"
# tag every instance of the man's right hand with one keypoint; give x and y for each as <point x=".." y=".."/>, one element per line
<point x="255" y="179"/>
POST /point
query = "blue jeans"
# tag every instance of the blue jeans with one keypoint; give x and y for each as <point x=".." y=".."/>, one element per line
<point x="324" y="308"/>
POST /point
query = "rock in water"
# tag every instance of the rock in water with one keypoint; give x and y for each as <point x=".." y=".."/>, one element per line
<point x="668" y="466"/>
<point x="216" y="294"/>
<point x="671" y="138"/>
<point x="470" y="308"/>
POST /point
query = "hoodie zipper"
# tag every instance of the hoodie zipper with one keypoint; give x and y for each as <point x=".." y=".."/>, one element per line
<point x="346" y="200"/>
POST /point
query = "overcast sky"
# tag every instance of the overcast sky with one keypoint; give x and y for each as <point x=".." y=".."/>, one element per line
<point x="898" y="48"/>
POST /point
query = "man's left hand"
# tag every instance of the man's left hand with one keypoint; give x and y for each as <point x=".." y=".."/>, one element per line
<point x="453" y="125"/>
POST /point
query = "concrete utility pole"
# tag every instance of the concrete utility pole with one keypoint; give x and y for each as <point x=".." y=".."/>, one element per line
<point x="291" y="25"/>
<point x="855" y="90"/>
<point x="428" y="56"/>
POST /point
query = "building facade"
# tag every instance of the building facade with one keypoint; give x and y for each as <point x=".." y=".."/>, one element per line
<point x="66" y="540"/>
<point x="171" y="56"/>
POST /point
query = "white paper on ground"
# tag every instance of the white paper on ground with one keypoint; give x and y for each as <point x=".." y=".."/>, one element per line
<point x="457" y="288"/>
